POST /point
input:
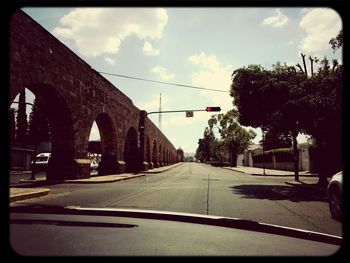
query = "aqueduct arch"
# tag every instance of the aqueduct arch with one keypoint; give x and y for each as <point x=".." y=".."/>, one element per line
<point x="74" y="96"/>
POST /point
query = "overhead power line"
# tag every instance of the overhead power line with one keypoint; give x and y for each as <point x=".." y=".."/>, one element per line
<point x="161" y="82"/>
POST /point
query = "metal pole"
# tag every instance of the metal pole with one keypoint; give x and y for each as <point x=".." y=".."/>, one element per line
<point x="32" y="177"/>
<point x="170" y="111"/>
<point x="263" y="151"/>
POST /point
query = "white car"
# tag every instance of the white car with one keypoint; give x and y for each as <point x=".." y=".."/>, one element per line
<point x="335" y="195"/>
<point x="41" y="162"/>
<point x="93" y="165"/>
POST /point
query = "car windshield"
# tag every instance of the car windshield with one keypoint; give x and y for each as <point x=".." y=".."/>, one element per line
<point x="225" y="111"/>
<point x="41" y="159"/>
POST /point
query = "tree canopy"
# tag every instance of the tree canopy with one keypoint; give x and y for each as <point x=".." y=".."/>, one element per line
<point x="39" y="128"/>
<point x="287" y="100"/>
<point x="233" y="138"/>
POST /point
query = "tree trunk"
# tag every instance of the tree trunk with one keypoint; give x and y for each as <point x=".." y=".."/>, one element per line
<point x="233" y="158"/>
<point x="295" y="157"/>
<point x="322" y="170"/>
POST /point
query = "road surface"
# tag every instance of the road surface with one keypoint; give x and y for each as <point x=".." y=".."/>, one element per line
<point x="200" y="188"/>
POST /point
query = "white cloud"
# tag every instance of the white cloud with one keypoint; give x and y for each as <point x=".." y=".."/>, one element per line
<point x="304" y="11"/>
<point x="163" y="73"/>
<point x="182" y="120"/>
<point x="94" y="133"/>
<point x="95" y="31"/>
<point x="320" y="25"/>
<point x="290" y="43"/>
<point x="211" y="74"/>
<point x="153" y="105"/>
<point x="148" y="49"/>
<point x="110" y="61"/>
<point x="277" y="20"/>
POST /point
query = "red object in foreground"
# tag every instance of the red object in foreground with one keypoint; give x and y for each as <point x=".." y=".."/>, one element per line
<point x="213" y="109"/>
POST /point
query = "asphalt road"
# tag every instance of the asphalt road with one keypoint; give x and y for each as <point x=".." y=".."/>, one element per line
<point x="200" y="188"/>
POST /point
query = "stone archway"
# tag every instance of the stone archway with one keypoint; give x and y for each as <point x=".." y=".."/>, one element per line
<point x="51" y="103"/>
<point x="160" y="159"/>
<point x="154" y="155"/>
<point x="131" y="151"/>
<point x="148" y="153"/>
<point x="108" y="163"/>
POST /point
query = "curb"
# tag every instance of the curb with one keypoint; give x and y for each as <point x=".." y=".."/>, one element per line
<point x="156" y="172"/>
<point x="281" y="175"/>
<point x="29" y="195"/>
<point x="234" y="170"/>
<point x="266" y="174"/>
<point x="88" y="181"/>
<point x="255" y="174"/>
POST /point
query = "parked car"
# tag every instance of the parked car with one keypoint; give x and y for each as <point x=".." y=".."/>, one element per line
<point x="41" y="162"/>
<point x="93" y="165"/>
<point x="335" y="195"/>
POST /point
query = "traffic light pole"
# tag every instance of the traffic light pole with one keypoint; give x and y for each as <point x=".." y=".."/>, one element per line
<point x="171" y="111"/>
<point x="208" y="109"/>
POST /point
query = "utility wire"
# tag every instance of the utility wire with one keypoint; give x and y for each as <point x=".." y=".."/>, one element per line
<point x="161" y="82"/>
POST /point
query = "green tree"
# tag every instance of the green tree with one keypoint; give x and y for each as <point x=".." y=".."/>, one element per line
<point x="276" y="140"/>
<point x="289" y="101"/>
<point x="234" y="137"/>
<point x="22" y="123"/>
<point x="323" y="107"/>
<point x="337" y="42"/>
<point x="205" y="150"/>
<point x="39" y="128"/>
<point x="219" y="151"/>
<point x="269" y="99"/>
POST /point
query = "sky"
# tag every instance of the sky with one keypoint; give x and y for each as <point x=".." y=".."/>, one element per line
<point x="195" y="46"/>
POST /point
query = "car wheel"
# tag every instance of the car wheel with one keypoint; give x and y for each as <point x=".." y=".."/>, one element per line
<point x="335" y="203"/>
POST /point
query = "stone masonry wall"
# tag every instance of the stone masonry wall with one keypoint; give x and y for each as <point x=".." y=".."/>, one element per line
<point x="74" y="96"/>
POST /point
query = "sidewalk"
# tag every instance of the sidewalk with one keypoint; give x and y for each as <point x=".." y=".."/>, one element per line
<point x="18" y="193"/>
<point x="311" y="183"/>
<point x="267" y="172"/>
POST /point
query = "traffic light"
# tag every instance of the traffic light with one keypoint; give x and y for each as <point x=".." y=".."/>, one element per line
<point x="213" y="109"/>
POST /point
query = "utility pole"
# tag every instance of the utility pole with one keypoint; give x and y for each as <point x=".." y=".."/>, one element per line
<point x="160" y="112"/>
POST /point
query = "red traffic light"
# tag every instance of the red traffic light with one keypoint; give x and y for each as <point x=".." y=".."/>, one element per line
<point x="213" y="109"/>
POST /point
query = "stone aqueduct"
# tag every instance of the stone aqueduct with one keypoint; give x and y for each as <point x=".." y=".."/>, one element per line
<point x="73" y="96"/>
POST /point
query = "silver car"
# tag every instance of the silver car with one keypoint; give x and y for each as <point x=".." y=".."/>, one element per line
<point x="335" y="195"/>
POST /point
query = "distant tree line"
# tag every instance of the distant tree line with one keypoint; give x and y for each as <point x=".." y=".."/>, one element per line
<point x="26" y="132"/>
<point x="232" y="141"/>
